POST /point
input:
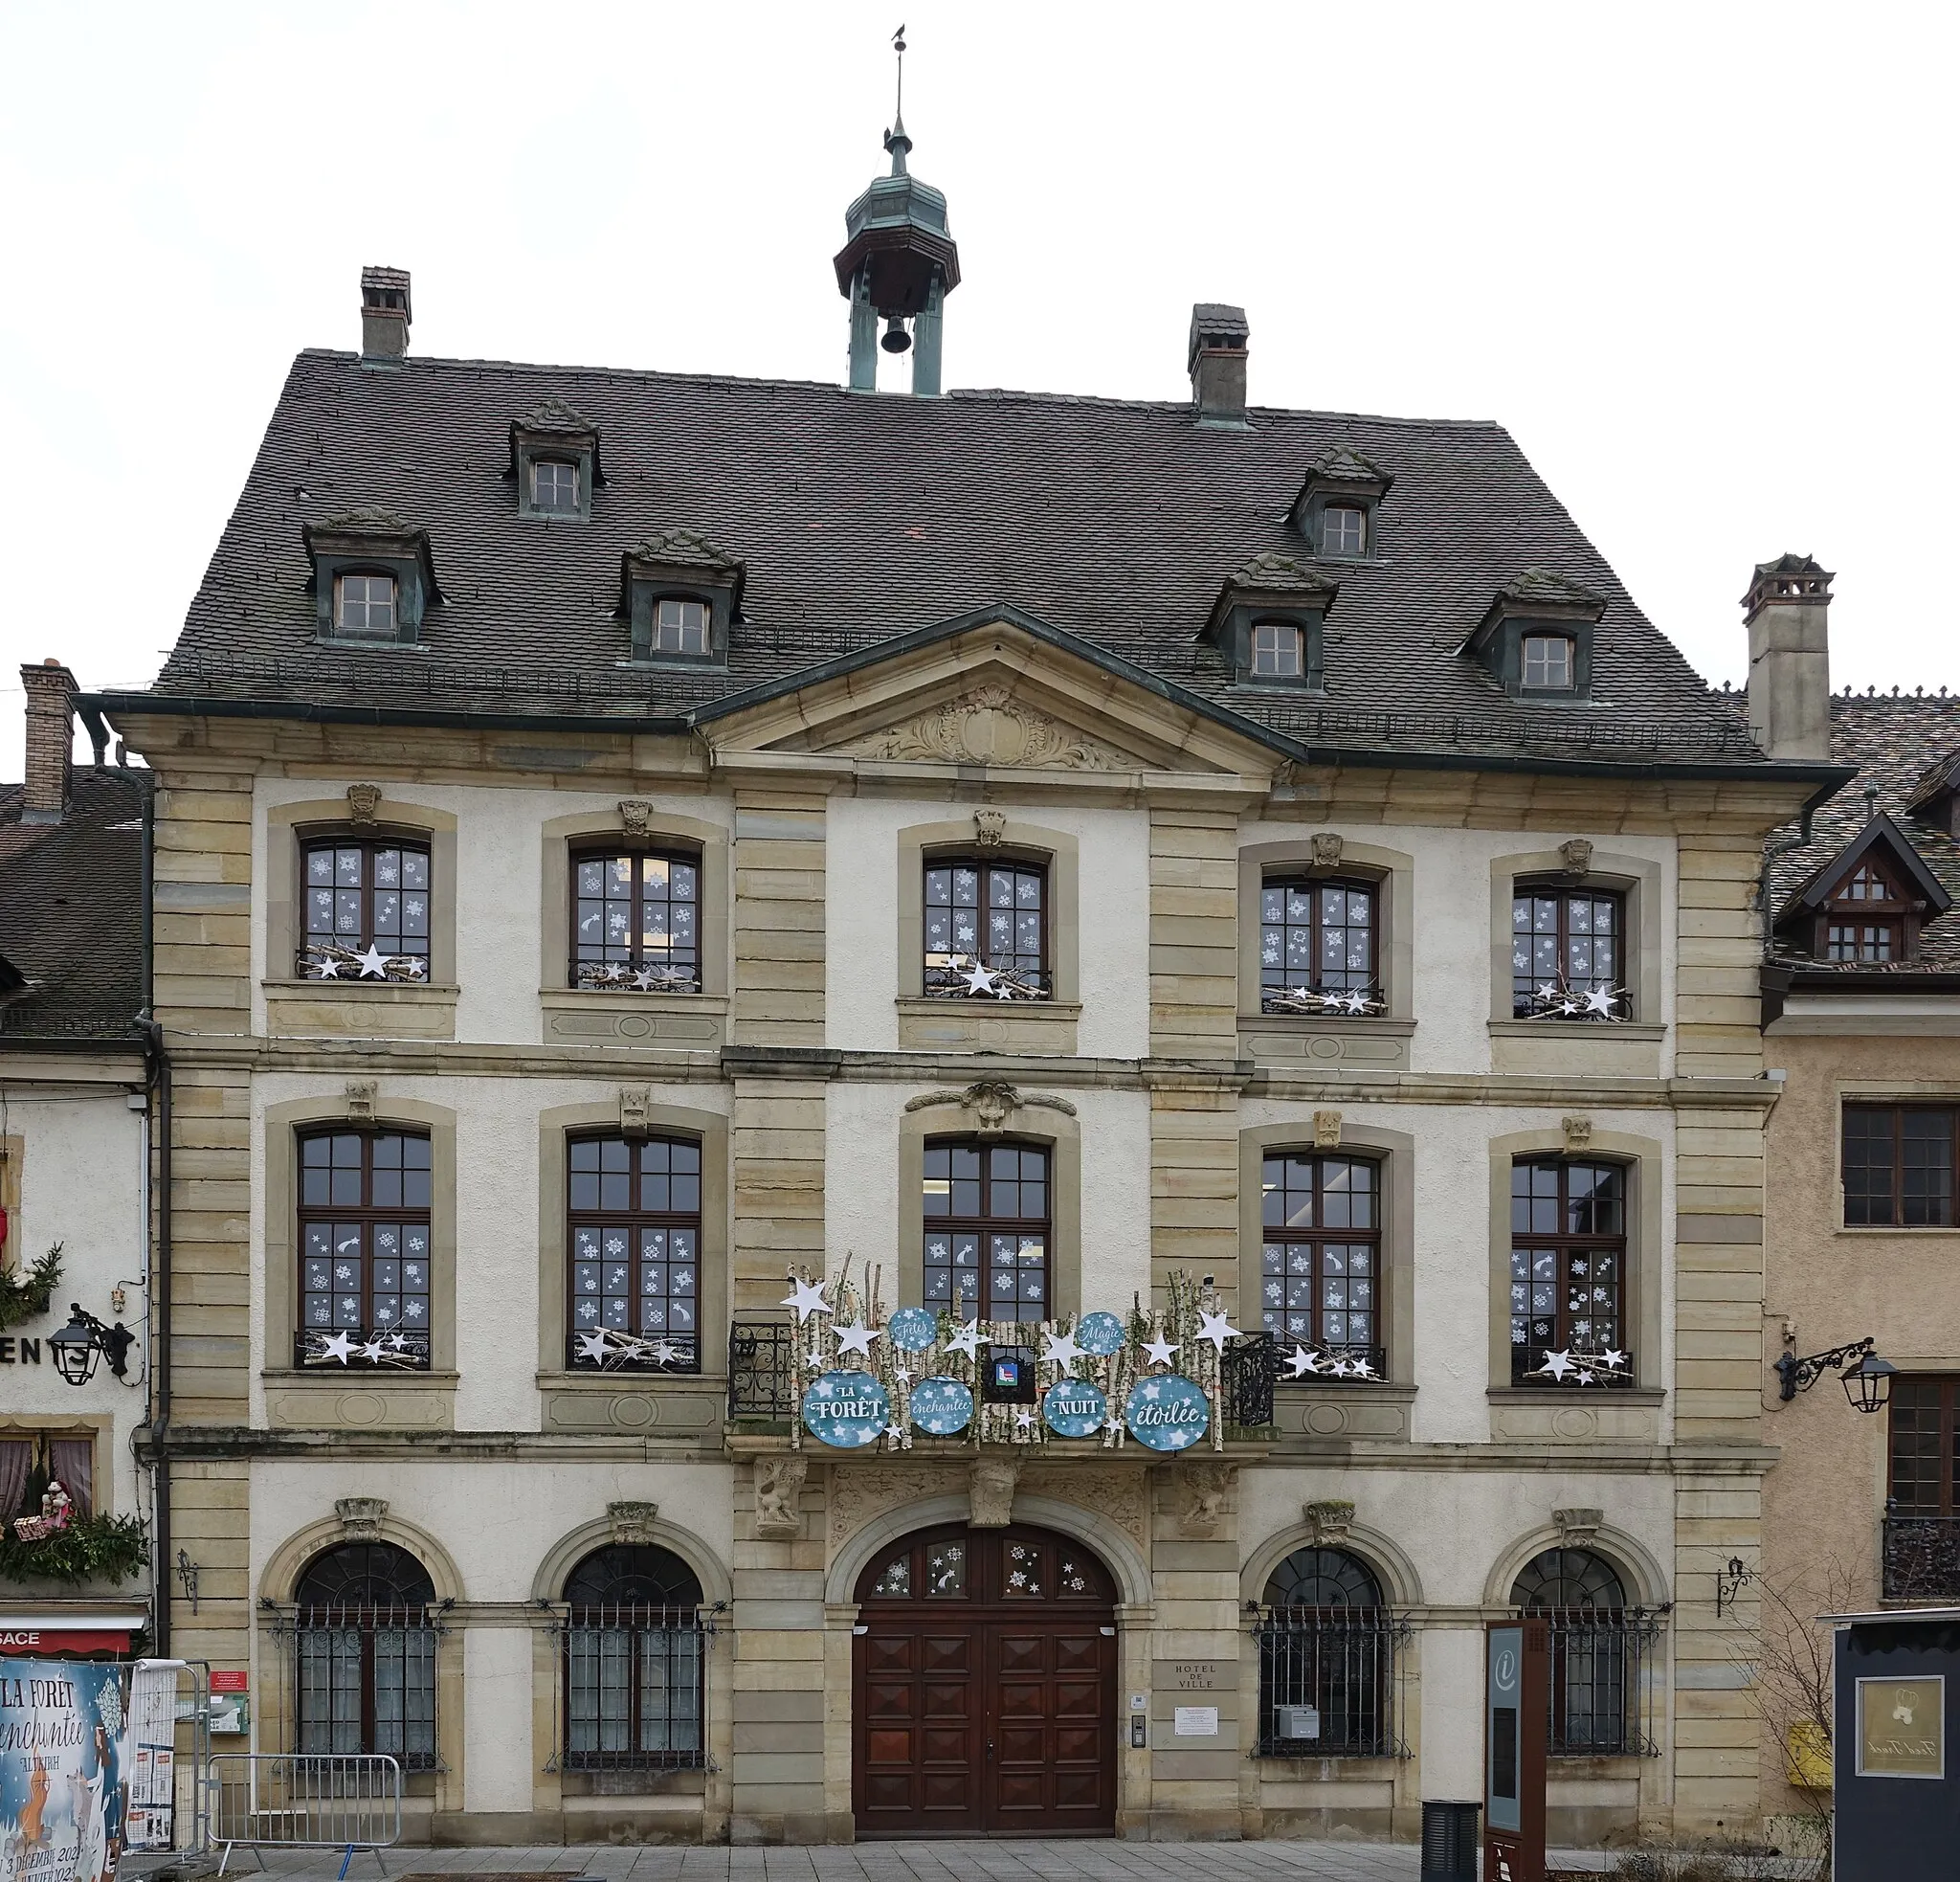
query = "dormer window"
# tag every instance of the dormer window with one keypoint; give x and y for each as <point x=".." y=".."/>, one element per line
<point x="1343" y="530"/>
<point x="681" y="627"/>
<point x="555" y="486"/>
<point x="1277" y="650"/>
<point x="1865" y="907"/>
<point x="1865" y="920"/>
<point x="1547" y="663"/>
<point x="364" y="607"/>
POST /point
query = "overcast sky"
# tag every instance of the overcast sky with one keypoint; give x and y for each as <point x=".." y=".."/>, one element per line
<point x="1698" y="258"/>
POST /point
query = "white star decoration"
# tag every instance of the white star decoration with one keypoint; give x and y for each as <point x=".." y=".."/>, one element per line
<point x="1600" y="1002"/>
<point x="1061" y="1351"/>
<point x="1302" y="1361"/>
<point x="1160" y="1352"/>
<point x="594" y="1346"/>
<point x="979" y="978"/>
<point x="807" y="1299"/>
<point x="1215" y="1327"/>
<point x="340" y="1347"/>
<point x="373" y="963"/>
<point x="329" y="970"/>
<point x="856" y="1337"/>
<point x="965" y="1341"/>
<point x="1557" y="1364"/>
<point x="895" y="1432"/>
<point x="1024" y="1419"/>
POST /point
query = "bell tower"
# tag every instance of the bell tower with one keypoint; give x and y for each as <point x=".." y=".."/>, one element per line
<point x="898" y="264"/>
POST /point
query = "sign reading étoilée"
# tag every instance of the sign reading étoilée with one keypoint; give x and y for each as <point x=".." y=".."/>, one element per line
<point x="1167" y="1412"/>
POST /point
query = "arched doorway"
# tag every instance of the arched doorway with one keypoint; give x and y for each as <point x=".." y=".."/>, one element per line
<point x="983" y="1687"/>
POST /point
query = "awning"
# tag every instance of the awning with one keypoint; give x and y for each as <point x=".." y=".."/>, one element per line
<point x="31" y="1628"/>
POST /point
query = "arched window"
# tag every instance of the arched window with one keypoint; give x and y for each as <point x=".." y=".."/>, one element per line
<point x="1327" y="1659"/>
<point x="633" y="1661"/>
<point x="367" y="1654"/>
<point x="1597" y="1645"/>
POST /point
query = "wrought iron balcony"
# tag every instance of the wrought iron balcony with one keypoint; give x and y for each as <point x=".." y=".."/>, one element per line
<point x="1921" y="1558"/>
<point x="762" y="1367"/>
<point x="1245" y="1382"/>
<point x="1570" y="1368"/>
<point x="362" y="1349"/>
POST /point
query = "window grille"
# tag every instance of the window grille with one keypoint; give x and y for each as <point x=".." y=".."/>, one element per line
<point x="1605" y="1670"/>
<point x="1330" y="1661"/>
<point x="1922" y="1529"/>
<point x="761" y="1368"/>
<point x="630" y="1669"/>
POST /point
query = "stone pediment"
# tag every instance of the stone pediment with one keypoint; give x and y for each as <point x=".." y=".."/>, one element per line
<point x="989" y="726"/>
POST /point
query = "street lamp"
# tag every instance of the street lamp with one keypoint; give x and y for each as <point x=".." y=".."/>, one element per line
<point x="1868" y="1385"/>
<point x="76" y="1346"/>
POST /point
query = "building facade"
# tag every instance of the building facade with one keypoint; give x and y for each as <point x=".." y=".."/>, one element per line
<point x="75" y="1189"/>
<point x="633" y="849"/>
<point x="1861" y="1032"/>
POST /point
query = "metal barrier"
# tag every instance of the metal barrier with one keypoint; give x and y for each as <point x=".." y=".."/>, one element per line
<point x="303" y="1800"/>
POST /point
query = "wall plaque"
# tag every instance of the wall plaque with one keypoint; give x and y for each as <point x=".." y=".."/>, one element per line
<point x="1902" y="1727"/>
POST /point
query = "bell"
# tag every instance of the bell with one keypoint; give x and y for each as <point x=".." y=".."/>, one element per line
<point x="896" y="339"/>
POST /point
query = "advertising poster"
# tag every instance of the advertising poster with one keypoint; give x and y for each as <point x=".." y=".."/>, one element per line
<point x="62" y="1740"/>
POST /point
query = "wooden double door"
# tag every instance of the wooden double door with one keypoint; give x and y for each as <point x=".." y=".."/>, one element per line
<point x="984" y="1687"/>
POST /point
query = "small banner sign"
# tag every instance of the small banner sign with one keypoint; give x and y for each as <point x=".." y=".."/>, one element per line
<point x="1167" y="1412"/>
<point x="846" y="1410"/>
<point x="1074" y="1408"/>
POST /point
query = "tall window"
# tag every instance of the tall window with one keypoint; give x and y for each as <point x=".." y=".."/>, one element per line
<point x="1899" y="1165"/>
<point x="986" y="929"/>
<point x="1568" y="1251"/>
<point x="367" y="910"/>
<point x="1327" y="1659"/>
<point x="367" y="1654"/>
<point x="1317" y="935"/>
<point x="1320" y="1254"/>
<point x="364" y="1249"/>
<point x="1865" y="919"/>
<point x="1597" y="1646"/>
<point x="1344" y="529"/>
<point x="633" y="1662"/>
<point x="636" y="921"/>
<point x="1922" y="1532"/>
<point x="1275" y="650"/>
<point x="679" y="626"/>
<point x="364" y="607"/>
<point x="554" y="485"/>
<point x="635" y="1236"/>
<point x="1547" y="664"/>
<point x="1565" y="953"/>
<point x="31" y="1461"/>
<point x="986" y="1230"/>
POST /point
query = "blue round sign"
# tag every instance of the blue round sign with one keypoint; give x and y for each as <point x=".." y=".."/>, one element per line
<point x="1100" y="1333"/>
<point x="1167" y="1412"/>
<point x="1074" y="1408"/>
<point x="913" y="1328"/>
<point x="941" y="1406"/>
<point x="846" y="1410"/>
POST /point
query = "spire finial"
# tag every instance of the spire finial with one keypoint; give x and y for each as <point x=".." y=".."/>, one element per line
<point x="895" y="139"/>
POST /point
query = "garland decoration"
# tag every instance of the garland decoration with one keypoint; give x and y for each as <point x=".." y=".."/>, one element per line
<point x="328" y="960"/>
<point x="23" y="1296"/>
<point x="83" y="1549"/>
<point x="1553" y="1000"/>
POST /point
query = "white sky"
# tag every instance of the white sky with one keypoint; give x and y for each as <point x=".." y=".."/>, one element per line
<point x="1698" y="258"/>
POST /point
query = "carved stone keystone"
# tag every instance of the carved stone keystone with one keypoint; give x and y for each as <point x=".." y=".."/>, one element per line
<point x="1329" y="1522"/>
<point x="632" y="1522"/>
<point x="989" y="828"/>
<point x="362" y="1515"/>
<point x="1579" y="856"/>
<point x="1577" y="1527"/>
<point x="992" y="1492"/>
<point x="778" y="1491"/>
<point x="634" y="1101"/>
<point x="363" y="801"/>
<point x="1327" y="1130"/>
<point x="634" y="813"/>
<point x="1326" y="849"/>
<point x="1578" y="1134"/>
<point x="1205" y="1487"/>
<point x="361" y="1096"/>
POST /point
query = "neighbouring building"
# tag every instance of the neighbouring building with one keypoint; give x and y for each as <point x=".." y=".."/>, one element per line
<point x="1861" y="1032"/>
<point x="630" y="843"/>
<point x="74" y="1192"/>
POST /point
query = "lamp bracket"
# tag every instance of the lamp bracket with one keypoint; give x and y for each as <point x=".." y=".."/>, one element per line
<point x="1800" y="1375"/>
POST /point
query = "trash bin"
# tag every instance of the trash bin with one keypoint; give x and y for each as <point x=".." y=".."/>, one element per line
<point x="1449" y="1842"/>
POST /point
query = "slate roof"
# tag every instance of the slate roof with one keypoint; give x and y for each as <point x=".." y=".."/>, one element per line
<point x="862" y="518"/>
<point x="1894" y="741"/>
<point x="70" y="913"/>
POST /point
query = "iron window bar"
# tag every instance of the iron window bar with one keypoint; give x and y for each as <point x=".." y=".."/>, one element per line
<point x="1330" y="1682"/>
<point x="762" y="1367"/>
<point x="632" y="1671"/>
<point x="319" y="1644"/>
<point x="1605" y="1681"/>
<point x="1921" y="1558"/>
<point x="1245" y="1381"/>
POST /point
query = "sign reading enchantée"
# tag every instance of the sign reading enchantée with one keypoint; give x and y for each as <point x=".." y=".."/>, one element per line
<point x="1167" y="1412"/>
<point x="846" y="1410"/>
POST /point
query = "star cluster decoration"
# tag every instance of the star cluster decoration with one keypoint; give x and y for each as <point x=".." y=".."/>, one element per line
<point x="1570" y="1366"/>
<point x="1353" y="1005"/>
<point x="1321" y="1362"/>
<point x="966" y="977"/>
<point x="328" y="960"/>
<point x="622" y="978"/>
<point x="609" y="1349"/>
<point x="361" y="1347"/>
<point x="1555" y="1000"/>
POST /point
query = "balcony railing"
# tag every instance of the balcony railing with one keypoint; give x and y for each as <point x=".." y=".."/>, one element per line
<point x="1329" y="1362"/>
<point x="1245" y="1381"/>
<point x="761" y="1368"/>
<point x="1921" y="1558"/>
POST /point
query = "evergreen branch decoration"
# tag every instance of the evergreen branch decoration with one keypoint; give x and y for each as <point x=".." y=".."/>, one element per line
<point x="89" y="1549"/>
<point x="23" y="1296"/>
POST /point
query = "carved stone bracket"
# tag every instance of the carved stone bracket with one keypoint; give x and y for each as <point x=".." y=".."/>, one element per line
<point x="1578" y="1134"/>
<point x="634" y="1101"/>
<point x="1329" y="1522"/>
<point x="362" y="1516"/>
<point x="1576" y="1528"/>
<point x="362" y="1093"/>
<point x="1327" y="1130"/>
<point x="1205" y="1487"/>
<point x="989" y="828"/>
<point x="1579" y="856"/>
<point x="991" y="1102"/>
<point x="990" y="1492"/>
<point x="778" y="1494"/>
<point x="632" y="1522"/>
<point x="363" y="801"/>
<point x="1327" y="845"/>
<point x="634" y="813"/>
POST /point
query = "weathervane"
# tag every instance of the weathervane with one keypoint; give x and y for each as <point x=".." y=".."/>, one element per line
<point x="899" y="46"/>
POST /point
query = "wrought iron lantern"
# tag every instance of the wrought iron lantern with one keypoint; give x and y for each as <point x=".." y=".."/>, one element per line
<point x="1867" y="1384"/>
<point x="77" y="1346"/>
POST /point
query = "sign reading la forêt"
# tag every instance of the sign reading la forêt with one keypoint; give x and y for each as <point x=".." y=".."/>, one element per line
<point x="1167" y="1412"/>
<point x="1902" y="1728"/>
<point x="846" y="1410"/>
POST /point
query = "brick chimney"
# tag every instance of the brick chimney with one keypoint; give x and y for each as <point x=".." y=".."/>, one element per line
<point x="50" y="690"/>
<point x="1787" y="613"/>
<point x="1216" y="357"/>
<point x="384" y="316"/>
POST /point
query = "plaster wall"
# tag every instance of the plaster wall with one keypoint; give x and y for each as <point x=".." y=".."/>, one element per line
<point x="861" y="960"/>
<point x="1452" y="923"/>
<point x="79" y="1153"/>
<point x="499" y="896"/>
<point x="497" y="1207"/>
